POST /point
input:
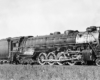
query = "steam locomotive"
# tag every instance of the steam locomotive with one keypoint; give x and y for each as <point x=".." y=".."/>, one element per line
<point x="70" y="48"/>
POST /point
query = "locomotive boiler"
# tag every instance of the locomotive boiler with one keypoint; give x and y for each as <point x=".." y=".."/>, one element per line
<point x="70" y="48"/>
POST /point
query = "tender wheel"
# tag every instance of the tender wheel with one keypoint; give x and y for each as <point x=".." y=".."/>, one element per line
<point x="98" y="62"/>
<point x="51" y="56"/>
<point x="41" y="57"/>
<point x="60" y="55"/>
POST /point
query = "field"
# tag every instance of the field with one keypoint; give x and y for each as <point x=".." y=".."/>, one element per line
<point x="37" y="72"/>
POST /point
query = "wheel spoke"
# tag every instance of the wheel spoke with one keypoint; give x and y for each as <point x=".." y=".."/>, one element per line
<point x="41" y="57"/>
<point x="51" y="56"/>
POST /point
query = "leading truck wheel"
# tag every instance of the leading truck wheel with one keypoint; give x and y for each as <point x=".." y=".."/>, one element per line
<point x="41" y="57"/>
<point x="51" y="56"/>
<point x="98" y="62"/>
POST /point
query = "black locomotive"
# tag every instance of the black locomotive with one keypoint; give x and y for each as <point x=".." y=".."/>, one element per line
<point x="71" y="47"/>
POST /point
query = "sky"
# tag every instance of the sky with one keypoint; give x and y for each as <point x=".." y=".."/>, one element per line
<point x="42" y="17"/>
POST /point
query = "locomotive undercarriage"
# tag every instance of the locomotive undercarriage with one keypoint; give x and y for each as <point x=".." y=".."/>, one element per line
<point x="61" y="58"/>
<point x="70" y="55"/>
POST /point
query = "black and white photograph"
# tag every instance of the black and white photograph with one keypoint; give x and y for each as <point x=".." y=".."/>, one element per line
<point x="49" y="40"/>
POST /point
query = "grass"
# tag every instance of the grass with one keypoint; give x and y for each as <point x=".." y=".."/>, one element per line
<point x="37" y="72"/>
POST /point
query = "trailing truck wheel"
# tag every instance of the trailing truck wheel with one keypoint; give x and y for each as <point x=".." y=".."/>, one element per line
<point x="98" y="62"/>
<point x="16" y="59"/>
<point x="51" y="56"/>
<point x="41" y="57"/>
<point x="60" y="55"/>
